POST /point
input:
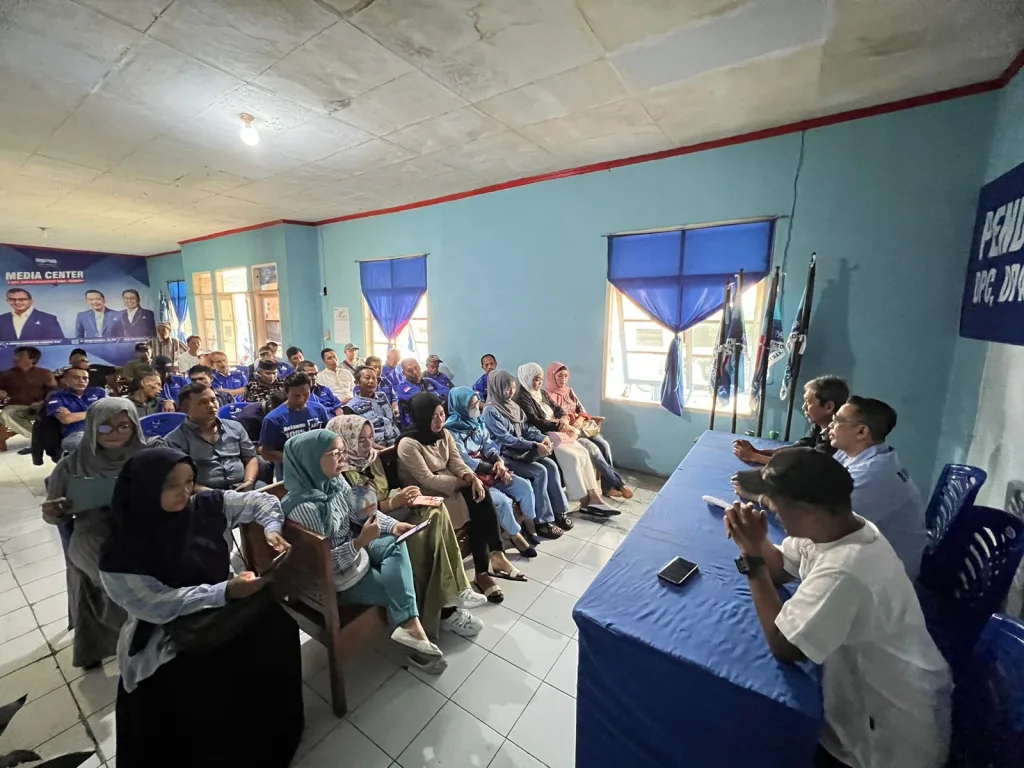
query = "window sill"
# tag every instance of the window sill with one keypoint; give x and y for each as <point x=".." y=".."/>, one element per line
<point x="690" y="408"/>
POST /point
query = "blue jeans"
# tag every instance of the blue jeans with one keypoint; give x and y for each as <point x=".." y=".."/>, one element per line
<point x="601" y="454"/>
<point x="547" y="486"/>
<point x="388" y="582"/>
<point x="518" y="489"/>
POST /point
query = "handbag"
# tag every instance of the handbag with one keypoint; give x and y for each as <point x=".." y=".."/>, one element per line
<point x="207" y="630"/>
<point x="589" y="428"/>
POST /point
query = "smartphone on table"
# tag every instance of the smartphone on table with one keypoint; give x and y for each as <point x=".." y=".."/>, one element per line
<point x="677" y="571"/>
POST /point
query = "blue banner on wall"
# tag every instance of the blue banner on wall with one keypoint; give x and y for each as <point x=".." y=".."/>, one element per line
<point x="58" y="300"/>
<point x="993" y="302"/>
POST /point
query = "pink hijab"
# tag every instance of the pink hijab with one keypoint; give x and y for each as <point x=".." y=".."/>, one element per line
<point x="563" y="397"/>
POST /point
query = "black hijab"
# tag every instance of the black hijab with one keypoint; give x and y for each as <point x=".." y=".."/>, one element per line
<point x="178" y="549"/>
<point x="421" y="411"/>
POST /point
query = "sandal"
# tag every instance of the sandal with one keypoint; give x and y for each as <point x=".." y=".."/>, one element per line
<point x="514" y="575"/>
<point x="603" y="510"/>
<point x="549" y="531"/>
<point x="493" y="593"/>
<point x="564" y="523"/>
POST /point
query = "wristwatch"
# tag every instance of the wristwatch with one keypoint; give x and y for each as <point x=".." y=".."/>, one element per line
<point x="749" y="565"/>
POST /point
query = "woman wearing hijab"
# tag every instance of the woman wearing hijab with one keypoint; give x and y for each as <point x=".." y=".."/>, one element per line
<point x="562" y="397"/>
<point x="370" y="568"/>
<point x="428" y="458"/>
<point x="577" y="468"/>
<point x="110" y="437"/>
<point x="483" y="456"/>
<point x="442" y="587"/>
<point x="168" y="557"/>
<point x="527" y="452"/>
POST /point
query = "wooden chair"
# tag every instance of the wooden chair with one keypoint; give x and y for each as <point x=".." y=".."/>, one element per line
<point x="305" y="586"/>
<point x="5" y="435"/>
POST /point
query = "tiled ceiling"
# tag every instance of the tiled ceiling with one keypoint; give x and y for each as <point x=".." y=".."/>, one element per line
<point x="119" y="118"/>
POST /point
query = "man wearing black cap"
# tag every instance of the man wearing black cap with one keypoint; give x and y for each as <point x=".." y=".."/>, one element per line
<point x="441" y="382"/>
<point x="887" y="688"/>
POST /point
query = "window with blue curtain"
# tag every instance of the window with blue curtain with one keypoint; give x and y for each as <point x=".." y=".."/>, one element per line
<point x="677" y="279"/>
<point x="392" y="289"/>
<point x="174" y="309"/>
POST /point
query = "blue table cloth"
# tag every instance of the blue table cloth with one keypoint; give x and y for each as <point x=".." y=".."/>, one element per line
<point x="682" y="676"/>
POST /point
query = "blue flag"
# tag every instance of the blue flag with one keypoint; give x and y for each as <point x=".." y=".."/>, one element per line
<point x="731" y="365"/>
<point x="795" y="347"/>
<point x="771" y="342"/>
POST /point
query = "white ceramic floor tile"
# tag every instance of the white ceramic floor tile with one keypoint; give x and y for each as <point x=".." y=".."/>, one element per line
<point x="564" y="548"/>
<point x="104" y="727"/>
<point x="57" y="634"/>
<point x="40" y="569"/>
<point x="583" y="527"/>
<point x="12" y="600"/>
<point x="452" y="738"/>
<point x="364" y="675"/>
<point x="7" y="580"/>
<point x="16" y="623"/>
<point x="97" y="688"/>
<point x="45" y="587"/>
<point x="51" y="609"/>
<point x="393" y="716"/>
<point x="497" y="693"/>
<point x="45" y="535"/>
<point x="574" y="579"/>
<point x="609" y="537"/>
<point x="519" y="595"/>
<point x="74" y="739"/>
<point x="531" y="647"/>
<point x="633" y="507"/>
<point x="345" y="745"/>
<point x="511" y="756"/>
<point x="40" y="720"/>
<point x="547" y="729"/>
<point x="320" y="721"/>
<point x="22" y="651"/>
<point x="542" y="568"/>
<point x="12" y="527"/>
<point x="563" y="675"/>
<point x="64" y="660"/>
<point x="554" y="609"/>
<point x="34" y="681"/>
<point x="314" y="657"/>
<point x="593" y="556"/>
<point x="462" y="655"/>
<point x="34" y="554"/>
<point x="497" y="621"/>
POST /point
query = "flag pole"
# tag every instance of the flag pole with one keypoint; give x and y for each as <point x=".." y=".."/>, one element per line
<point x="805" y="324"/>
<point x="718" y="354"/>
<point x="762" y="374"/>
<point x="737" y="355"/>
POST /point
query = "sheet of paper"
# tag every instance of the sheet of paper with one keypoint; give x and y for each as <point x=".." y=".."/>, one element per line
<point x="342" y="326"/>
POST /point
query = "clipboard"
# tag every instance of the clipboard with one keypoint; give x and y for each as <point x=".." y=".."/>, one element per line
<point x="90" y="492"/>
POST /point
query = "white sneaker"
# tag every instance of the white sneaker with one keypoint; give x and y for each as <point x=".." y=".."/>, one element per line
<point x="425" y="647"/>
<point x="470" y="599"/>
<point x="462" y="623"/>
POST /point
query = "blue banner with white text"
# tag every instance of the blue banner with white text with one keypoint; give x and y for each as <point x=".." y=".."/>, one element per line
<point x="993" y="301"/>
<point x="59" y="300"/>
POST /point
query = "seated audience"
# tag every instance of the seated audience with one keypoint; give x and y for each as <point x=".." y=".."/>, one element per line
<point x="23" y="391"/>
<point x="855" y="612"/>
<point x="567" y="405"/>
<point x="823" y="397"/>
<point x="392" y="372"/>
<point x="189" y="358"/>
<point x="324" y="395"/>
<point x="296" y="415"/>
<point x="577" y="468"/>
<point x="369" y="567"/>
<point x="263" y="383"/>
<point x="79" y="358"/>
<point x="172" y="382"/>
<point x="372" y="404"/>
<point x="483" y="456"/>
<point x="294" y="356"/>
<point x="224" y="378"/>
<point x="142" y="364"/>
<point x="145" y="394"/>
<point x="488" y="363"/>
<point x="429" y="459"/>
<point x="442" y="383"/>
<point x="70" y="403"/>
<point x="269" y="353"/>
<point x="383" y="385"/>
<point x="112" y="435"/>
<point x="224" y="456"/>
<point x="527" y="452"/>
<point x="203" y="374"/>
<point x="442" y="587"/>
<point x="168" y="557"/>
<point x="166" y="344"/>
<point x="351" y="361"/>
<point x="412" y="384"/>
<point x="335" y="377"/>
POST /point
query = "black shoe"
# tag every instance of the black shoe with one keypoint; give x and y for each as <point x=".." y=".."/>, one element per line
<point x="25" y="451"/>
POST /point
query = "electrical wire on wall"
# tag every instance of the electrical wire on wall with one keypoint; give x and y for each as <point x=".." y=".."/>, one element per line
<point x="792" y="215"/>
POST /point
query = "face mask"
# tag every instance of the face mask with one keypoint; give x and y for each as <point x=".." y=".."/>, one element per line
<point x="474" y="412"/>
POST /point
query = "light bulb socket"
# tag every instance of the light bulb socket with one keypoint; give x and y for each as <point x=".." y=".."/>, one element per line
<point x="248" y="134"/>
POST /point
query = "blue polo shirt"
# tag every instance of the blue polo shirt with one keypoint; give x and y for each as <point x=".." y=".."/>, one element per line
<point x="326" y="398"/>
<point x="386" y="388"/>
<point x="172" y="387"/>
<point x="392" y="376"/>
<point x="281" y="423"/>
<point x="406" y="392"/>
<point x="284" y="370"/>
<point x="65" y="398"/>
<point x="233" y="380"/>
<point x="377" y="410"/>
<point x="884" y="494"/>
<point x="481" y="387"/>
<point x="442" y="384"/>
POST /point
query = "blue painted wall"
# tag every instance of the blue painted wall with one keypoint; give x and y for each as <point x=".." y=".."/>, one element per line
<point x="886" y="202"/>
<point x="163" y="270"/>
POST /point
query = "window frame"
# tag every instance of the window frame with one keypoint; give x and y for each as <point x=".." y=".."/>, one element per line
<point x="371" y="329"/>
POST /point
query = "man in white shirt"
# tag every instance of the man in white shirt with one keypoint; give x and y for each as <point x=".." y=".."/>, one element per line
<point x="887" y="689"/>
<point x="335" y="377"/>
<point x="882" y="489"/>
<point x="189" y="359"/>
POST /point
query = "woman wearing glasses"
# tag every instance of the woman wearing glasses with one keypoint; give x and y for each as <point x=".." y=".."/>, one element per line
<point x="78" y="498"/>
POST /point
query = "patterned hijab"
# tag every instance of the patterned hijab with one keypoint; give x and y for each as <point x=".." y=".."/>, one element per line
<point x="348" y="429"/>
<point x="460" y="421"/>
<point x="306" y="481"/>
<point x="527" y="373"/>
<point x="563" y="397"/>
<point x="498" y="384"/>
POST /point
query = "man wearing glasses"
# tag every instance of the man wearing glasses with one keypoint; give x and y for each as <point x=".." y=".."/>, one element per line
<point x="24" y="322"/>
<point x="69" y="404"/>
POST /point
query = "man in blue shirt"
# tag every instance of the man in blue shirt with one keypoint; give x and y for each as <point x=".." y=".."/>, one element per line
<point x="69" y="404"/>
<point x="225" y="379"/>
<point x="373" y="405"/>
<point x="392" y="371"/>
<point x="383" y="385"/>
<point x="98" y="322"/>
<point x="172" y="382"/>
<point x="319" y="392"/>
<point x="203" y="374"/>
<point x="442" y="384"/>
<point x="412" y="385"/>
<point x="298" y="414"/>
<point x="488" y="363"/>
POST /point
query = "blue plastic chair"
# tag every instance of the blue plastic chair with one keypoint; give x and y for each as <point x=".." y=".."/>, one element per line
<point x="988" y="702"/>
<point x="957" y="488"/>
<point x="159" y="424"/>
<point x="231" y="410"/>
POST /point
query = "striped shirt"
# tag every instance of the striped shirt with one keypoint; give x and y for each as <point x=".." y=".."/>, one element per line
<point x="147" y="599"/>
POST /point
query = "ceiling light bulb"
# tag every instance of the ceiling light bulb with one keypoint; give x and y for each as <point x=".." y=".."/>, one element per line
<point x="248" y="134"/>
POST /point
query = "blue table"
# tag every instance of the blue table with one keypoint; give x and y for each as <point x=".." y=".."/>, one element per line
<point x="670" y="676"/>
